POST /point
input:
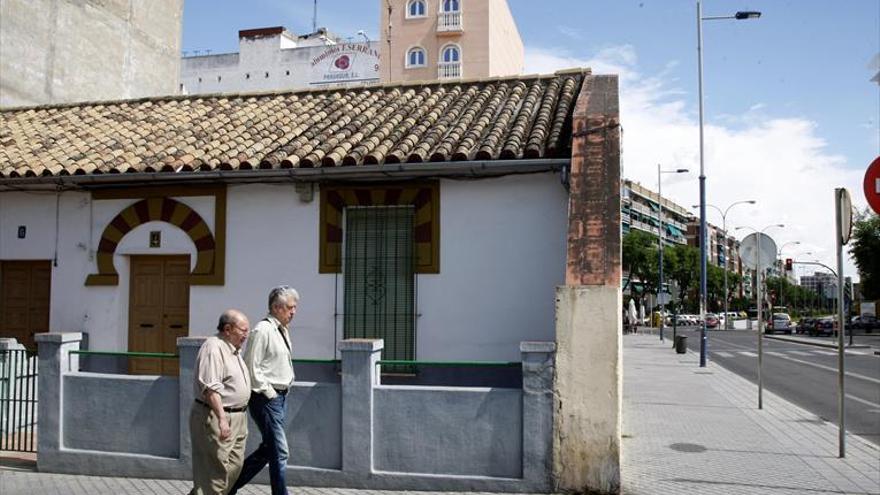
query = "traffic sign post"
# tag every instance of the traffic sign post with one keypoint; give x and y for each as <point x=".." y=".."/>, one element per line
<point x="872" y="185"/>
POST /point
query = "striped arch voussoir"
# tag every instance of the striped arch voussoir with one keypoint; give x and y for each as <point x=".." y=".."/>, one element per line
<point x="149" y="210"/>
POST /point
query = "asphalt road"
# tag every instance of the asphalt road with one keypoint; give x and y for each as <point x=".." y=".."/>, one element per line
<point x="805" y="375"/>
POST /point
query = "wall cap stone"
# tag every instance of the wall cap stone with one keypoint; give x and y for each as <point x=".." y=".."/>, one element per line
<point x="58" y="337"/>
<point x="537" y="346"/>
<point x="362" y="345"/>
<point x="8" y="343"/>
<point x="190" y="341"/>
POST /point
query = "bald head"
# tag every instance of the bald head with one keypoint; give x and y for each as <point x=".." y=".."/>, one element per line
<point x="233" y="327"/>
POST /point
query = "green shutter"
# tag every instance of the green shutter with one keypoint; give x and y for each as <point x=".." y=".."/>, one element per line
<point x="379" y="262"/>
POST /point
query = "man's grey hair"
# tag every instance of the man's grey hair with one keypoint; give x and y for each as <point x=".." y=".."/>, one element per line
<point x="279" y="295"/>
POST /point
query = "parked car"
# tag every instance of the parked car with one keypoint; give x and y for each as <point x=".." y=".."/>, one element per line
<point x="805" y="325"/>
<point x="780" y="322"/>
<point x="712" y="320"/>
<point x="868" y="323"/>
<point x="824" y="326"/>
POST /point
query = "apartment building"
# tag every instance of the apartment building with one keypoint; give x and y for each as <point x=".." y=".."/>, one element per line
<point x="641" y="210"/>
<point x="448" y="39"/>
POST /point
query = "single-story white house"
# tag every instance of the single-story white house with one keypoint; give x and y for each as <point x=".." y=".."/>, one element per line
<point x="454" y="220"/>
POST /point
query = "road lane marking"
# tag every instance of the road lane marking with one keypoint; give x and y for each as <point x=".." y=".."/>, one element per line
<point x="827" y="368"/>
<point x="826" y="353"/>
<point x="863" y="401"/>
<point x="802" y="353"/>
<point x="773" y="353"/>
<point x="749" y="353"/>
<point x="724" y="354"/>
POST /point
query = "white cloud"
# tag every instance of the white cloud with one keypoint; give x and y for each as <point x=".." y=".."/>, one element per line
<point x="783" y="163"/>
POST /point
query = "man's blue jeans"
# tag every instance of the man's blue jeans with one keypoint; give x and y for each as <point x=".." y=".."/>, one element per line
<point x="269" y="417"/>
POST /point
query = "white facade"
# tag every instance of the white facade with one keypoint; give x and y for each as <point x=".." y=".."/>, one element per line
<point x="272" y="59"/>
<point x="502" y="253"/>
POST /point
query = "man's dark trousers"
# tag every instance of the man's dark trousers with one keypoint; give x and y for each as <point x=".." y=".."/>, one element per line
<point x="269" y="417"/>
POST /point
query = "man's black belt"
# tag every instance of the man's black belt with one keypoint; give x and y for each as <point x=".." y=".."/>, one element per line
<point x="227" y="409"/>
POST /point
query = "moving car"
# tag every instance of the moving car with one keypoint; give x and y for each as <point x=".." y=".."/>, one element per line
<point x="806" y="325"/>
<point x="824" y="326"/>
<point x="712" y="320"/>
<point x="780" y="322"/>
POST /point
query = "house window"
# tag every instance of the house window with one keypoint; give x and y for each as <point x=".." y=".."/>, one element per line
<point x="415" y="57"/>
<point x="451" y="54"/>
<point x="451" y="6"/>
<point x="416" y="8"/>
<point x="379" y="277"/>
<point x="450" y="63"/>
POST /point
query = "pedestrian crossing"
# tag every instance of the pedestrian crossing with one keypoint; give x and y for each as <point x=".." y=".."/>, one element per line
<point x="807" y="353"/>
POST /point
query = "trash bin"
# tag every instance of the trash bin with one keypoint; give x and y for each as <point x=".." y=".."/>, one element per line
<point x="681" y="344"/>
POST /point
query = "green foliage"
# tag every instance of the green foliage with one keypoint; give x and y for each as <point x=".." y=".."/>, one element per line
<point x="865" y="250"/>
<point x="640" y="261"/>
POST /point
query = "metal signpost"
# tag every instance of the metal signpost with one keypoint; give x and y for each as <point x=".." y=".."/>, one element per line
<point x="758" y="250"/>
<point x="843" y="217"/>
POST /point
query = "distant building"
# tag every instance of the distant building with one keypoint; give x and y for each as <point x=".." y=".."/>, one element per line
<point x="273" y="59"/>
<point x="62" y="51"/>
<point x="640" y="210"/>
<point x="444" y="39"/>
<point x="825" y="284"/>
<point x="722" y="250"/>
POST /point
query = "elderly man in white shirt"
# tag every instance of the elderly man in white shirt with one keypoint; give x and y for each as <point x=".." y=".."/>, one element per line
<point x="269" y="359"/>
<point x="217" y="422"/>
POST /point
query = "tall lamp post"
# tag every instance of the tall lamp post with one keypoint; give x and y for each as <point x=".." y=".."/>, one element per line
<point x="727" y="248"/>
<point x="742" y="15"/>
<point x="661" y="295"/>
<point x="760" y="295"/>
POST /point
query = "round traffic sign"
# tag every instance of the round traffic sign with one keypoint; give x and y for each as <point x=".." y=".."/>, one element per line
<point x="872" y="185"/>
<point x="757" y="250"/>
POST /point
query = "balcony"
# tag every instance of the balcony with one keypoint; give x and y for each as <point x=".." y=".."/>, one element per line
<point x="449" y="70"/>
<point x="449" y="23"/>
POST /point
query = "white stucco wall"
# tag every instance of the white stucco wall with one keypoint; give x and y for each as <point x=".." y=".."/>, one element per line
<point x="502" y="252"/>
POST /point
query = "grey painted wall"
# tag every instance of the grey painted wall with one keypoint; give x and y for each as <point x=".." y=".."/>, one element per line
<point x="448" y="431"/>
<point x="98" y="407"/>
<point x="59" y="51"/>
<point x="353" y="433"/>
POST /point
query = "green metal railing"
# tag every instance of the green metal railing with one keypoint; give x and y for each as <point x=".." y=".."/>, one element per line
<point x="457" y="364"/>
<point x="316" y="361"/>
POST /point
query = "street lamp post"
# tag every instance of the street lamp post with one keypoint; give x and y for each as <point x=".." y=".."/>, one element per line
<point x="727" y="248"/>
<point x="738" y="16"/>
<point x="660" y="293"/>
<point x="760" y="283"/>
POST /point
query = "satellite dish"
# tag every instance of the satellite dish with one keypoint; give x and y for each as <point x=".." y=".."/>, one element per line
<point x="752" y="256"/>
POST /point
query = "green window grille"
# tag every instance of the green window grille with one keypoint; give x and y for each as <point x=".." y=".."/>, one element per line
<point x="379" y="277"/>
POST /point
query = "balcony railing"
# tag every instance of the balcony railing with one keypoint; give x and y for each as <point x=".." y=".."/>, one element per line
<point x="449" y="22"/>
<point x="449" y="70"/>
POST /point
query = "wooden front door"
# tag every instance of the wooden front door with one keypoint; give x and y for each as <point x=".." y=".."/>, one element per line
<point x="158" y="311"/>
<point x="24" y="299"/>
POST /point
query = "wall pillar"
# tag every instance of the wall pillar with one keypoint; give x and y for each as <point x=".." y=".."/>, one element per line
<point x="359" y="375"/>
<point x="54" y="361"/>
<point x="588" y="383"/>
<point x="538" y="365"/>
<point x="187" y="351"/>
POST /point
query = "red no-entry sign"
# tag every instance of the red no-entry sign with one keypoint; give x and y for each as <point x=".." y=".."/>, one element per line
<point x="872" y="185"/>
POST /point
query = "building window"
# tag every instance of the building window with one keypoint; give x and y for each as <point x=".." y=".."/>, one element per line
<point x="379" y="277"/>
<point x="451" y="6"/>
<point x="450" y="62"/>
<point x="416" y="8"/>
<point x="451" y="54"/>
<point x="415" y="57"/>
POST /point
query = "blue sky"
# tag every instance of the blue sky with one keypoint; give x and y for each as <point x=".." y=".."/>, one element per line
<point x="790" y="109"/>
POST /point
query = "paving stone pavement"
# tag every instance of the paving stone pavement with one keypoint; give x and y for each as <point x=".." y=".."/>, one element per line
<point x="686" y="430"/>
<point x="691" y="430"/>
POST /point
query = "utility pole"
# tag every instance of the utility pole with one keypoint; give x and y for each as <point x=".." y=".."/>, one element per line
<point x="315" y="16"/>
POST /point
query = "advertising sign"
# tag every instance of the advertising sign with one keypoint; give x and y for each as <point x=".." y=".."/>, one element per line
<point x="345" y="63"/>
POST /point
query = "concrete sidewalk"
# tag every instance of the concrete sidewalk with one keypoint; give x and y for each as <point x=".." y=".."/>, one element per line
<point x="698" y="430"/>
<point x="686" y="430"/>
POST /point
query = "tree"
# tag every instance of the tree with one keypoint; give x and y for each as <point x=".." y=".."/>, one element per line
<point x="682" y="263"/>
<point x="865" y="250"/>
<point x="639" y="261"/>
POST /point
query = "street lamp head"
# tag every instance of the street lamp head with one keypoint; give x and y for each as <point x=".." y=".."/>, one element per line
<point x="751" y="201"/>
<point x="681" y="171"/>
<point x="746" y="14"/>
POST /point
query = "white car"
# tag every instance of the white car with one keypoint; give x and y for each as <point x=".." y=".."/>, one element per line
<point x="780" y="322"/>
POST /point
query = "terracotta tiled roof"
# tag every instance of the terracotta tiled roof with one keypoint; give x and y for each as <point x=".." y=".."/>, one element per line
<point x="506" y="118"/>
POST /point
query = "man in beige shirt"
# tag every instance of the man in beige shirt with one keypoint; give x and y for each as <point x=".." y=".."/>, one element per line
<point x="268" y="357"/>
<point x="217" y="420"/>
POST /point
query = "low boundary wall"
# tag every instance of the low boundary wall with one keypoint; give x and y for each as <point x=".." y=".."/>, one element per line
<point x="354" y="433"/>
